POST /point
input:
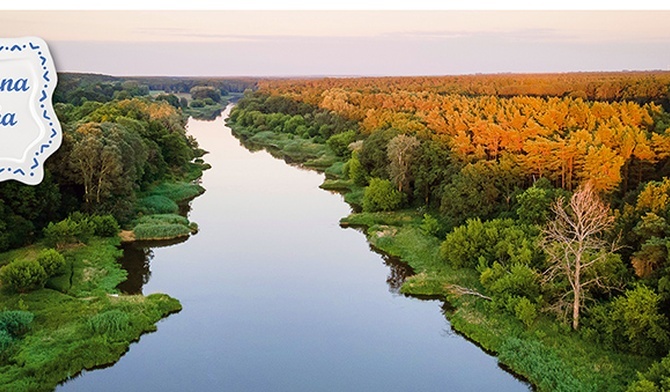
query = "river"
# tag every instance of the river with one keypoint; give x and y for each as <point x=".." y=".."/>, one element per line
<point x="278" y="297"/>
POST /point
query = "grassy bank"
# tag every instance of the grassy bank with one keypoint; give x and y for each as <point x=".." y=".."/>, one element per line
<point x="158" y="209"/>
<point x="548" y="354"/>
<point x="79" y="320"/>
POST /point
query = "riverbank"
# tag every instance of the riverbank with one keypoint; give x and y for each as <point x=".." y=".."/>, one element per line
<point x="549" y="355"/>
<point x="80" y="323"/>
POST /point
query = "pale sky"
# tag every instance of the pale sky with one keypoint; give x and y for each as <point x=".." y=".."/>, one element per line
<point x="308" y="43"/>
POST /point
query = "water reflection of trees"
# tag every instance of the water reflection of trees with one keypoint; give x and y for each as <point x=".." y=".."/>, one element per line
<point x="398" y="271"/>
<point x="136" y="260"/>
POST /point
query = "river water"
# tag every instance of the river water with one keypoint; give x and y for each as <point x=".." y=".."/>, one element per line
<point x="278" y="297"/>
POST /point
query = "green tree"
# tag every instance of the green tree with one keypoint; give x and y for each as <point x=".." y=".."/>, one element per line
<point x="355" y="170"/>
<point x="431" y="169"/>
<point x="203" y="92"/>
<point x="381" y="195"/>
<point x="374" y="153"/>
<point x="534" y="205"/>
<point x="340" y="142"/>
<point x="169" y="98"/>
<point x="637" y="324"/>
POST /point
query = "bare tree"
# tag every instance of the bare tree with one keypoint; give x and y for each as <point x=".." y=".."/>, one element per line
<point x="401" y="150"/>
<point x="575" y="244"/>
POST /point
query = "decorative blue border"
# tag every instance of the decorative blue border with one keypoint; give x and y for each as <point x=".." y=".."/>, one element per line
<point x="27" y="171"/>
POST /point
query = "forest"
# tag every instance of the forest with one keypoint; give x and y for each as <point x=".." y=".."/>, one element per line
<point x="125" y="165"/>
<point x="537" y="205"/>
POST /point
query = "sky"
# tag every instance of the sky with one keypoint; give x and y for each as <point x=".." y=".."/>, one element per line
<point x="346" y="43"/>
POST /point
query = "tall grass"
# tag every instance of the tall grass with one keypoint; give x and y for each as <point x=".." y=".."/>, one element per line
<point x="159" y="231"/>
<point x="157" y="204"/>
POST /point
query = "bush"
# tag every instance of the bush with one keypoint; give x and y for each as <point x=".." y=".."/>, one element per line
<point x="502" y="240"/>
<point x="525" y="311"/>
<point x="105" y="225"/>
<point x="23" y="276"/>
<point x="430" y="225"/>
<point x="340" y="142"/>
<point x="76" y="228"/>
<point x="197" y="103"/>
<point x="655" y="379"/>
<point x="16" y="322"/>
<point x="636" y="321"/>
<point x="381" y="195"/>
<point x="52" y="262"/>
<point x="6" y="340"/>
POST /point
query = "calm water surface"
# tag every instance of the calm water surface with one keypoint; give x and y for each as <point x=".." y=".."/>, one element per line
<point x="278" y="297"/>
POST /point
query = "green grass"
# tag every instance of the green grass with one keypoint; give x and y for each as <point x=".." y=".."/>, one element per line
<point x="146" y="231"/>
<point x="161" y="227"/>
<point x="177" y="191"/>
<point x="550" y="355"/>
<point x="207" y="112"/>
<point x="81" y="328"/>
<point x="337" y="185"/>
<point x="158" y="211"/>
<point x="157" y="204"/>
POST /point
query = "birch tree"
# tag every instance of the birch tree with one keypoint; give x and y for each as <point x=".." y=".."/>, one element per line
<point x="401" y="151"/>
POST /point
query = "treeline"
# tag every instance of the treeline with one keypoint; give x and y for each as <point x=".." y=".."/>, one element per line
<point x="494" y="175"/>
<point x="283" y="115"/>
<point x="639" y="87"/>
<point x="110" y="152"/>
<point x="79" y="88"/>
<point x="76" y="88"/>
<point x="185" y="84"/>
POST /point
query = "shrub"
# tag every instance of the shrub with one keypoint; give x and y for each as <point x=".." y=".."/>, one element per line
<point x="6" y="340"/>
<point x="534" y="206"/>
<point x="197" y="103"/>
<point x="23" y="276"/>
<point x="655" y="379"/>
<point x="105" y="225"/>
<point x="52" y="262"/>
<point x="76" y="228"/>
<point x="16" y="322"/>
<point x="525" y="311"/>
<point x="430" y="225"/>
<point x="636" y="320"/>
<point x="381" y="195"/>
<point x="502" y="240"/>
<point x="339" y="143"/>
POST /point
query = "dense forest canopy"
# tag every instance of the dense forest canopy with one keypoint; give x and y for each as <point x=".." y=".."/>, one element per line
<point x="552" y="189"/>
<point x="76" y="88"/>
<point x="117" y="142"/>
<point x="607" y="128"/>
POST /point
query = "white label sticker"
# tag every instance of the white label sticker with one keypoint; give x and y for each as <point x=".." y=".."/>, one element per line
<point x="29" y="129"/>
